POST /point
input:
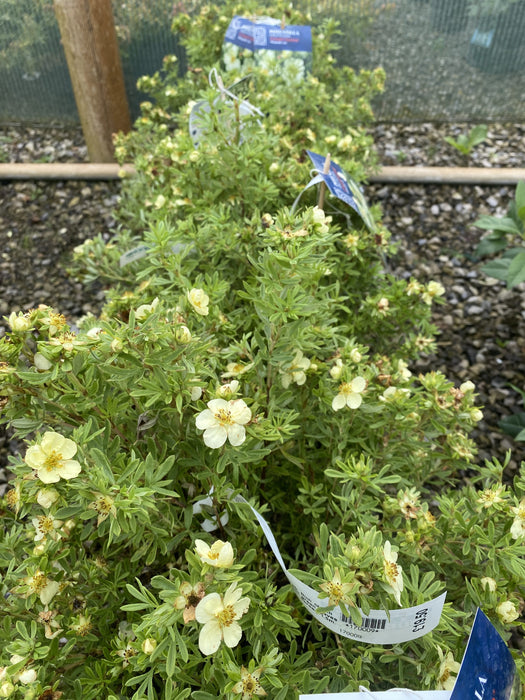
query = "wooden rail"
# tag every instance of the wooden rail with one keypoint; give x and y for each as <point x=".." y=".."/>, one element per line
<point x="388" y="174"/>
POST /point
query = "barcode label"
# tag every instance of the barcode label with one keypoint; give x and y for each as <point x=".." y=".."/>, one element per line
<point x="368" y="623"/>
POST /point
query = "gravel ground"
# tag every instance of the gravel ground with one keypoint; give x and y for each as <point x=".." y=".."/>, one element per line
<point x="482" y="323"/>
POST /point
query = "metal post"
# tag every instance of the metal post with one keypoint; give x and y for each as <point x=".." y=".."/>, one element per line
<point x="90" y="44"/>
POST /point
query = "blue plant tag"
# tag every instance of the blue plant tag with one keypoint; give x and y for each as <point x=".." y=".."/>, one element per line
<point x="344" y="187"/>
<point x="269" y="34"/>
<point x="483" y="39"/>
<point x="488" y="671"/>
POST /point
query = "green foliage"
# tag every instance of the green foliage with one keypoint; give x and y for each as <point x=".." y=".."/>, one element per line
<point x="510" y="267"/>
<point x="248" y="356"/>
<point x="466" y="143"/>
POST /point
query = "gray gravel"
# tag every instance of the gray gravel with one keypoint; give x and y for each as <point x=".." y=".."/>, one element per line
<point x="482" y="324"/>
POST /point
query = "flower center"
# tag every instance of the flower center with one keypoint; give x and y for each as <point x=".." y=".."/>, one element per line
<point x="53" y="460"/>
<point x="45" y="524"/>
<point x="38" y="582"/>
<point x="249" y="685"/>
<point x="224" y="417"/>
<point x="226" y="616"/>
<point x="335" y="590"/>
<point x="103" y="505"/>
<point x="345" y="388"/>
<point x="392" y="572"/>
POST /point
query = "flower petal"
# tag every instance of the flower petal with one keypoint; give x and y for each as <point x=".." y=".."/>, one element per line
<point x="236" y="435"/>
<point x="353" y="400"/>
<point x="358" y="384"/>
<point x="34" y="457"/>
<point x="210" y="637"/>
<point x="206" y="419"/>
<point x="69" y="469"/>
<point x="232" y="634"/>
<point x="339" y="402"/>
<point x="215" y="437"/>
<point x="48" y="477"/>
<point x="207" y="607"/>
<point x="240" y="412"/>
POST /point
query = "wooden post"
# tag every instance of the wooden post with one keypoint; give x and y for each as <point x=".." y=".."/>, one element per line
<point x="90" y="44"/>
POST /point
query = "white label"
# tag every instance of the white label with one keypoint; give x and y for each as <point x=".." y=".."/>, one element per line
<point x="133" y="254"/>
<point x="394" y="694"/>
<point x="376" y="627"/>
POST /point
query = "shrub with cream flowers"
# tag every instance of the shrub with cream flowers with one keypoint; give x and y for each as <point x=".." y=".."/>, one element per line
<point x="229" y="372"/>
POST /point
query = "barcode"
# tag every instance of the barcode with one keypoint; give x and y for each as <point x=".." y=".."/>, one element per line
<point x="368" y="623"/>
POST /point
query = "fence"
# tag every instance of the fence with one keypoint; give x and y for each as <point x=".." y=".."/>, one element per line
<point x="445" y="60"/>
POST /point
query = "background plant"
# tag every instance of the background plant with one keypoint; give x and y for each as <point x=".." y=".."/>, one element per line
<point x="465" y="143"/>
<point x="252" y="351"/>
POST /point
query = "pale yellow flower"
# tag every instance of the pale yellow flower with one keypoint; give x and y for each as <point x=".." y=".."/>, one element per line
<point x="337" y="590"/>
<point x="393" y="572"/>
<point x="220" y="554"/>
<point x="82" y="626"/>
<point x="295" y="371"/>
<point x="227" y="391"/>
<point x="41" y="362"/>
<point x="144" y="310"/>
<point x="219" y="615"/>
<point x="517" y="528"/>
<point x="489" y="497"/>
<point x="234" y="369"/>
<point x="199" y="301"/>
<point x="448" y="667"/>
<point x="409" y="503"/>
<point x="249" y="684"/>
<point x="433" y="289"/>
<point x="507" y="612"/>
<point x="224" y="420"/>
<point x="44" y="587"/>
<point x="349" y="394"/>
<point x="51" y="458"/>
<point x="46" y="525"/>
<point x="104" y="506"/>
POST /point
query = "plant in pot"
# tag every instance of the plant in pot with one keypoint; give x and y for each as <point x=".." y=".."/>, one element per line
<point x="497" y="40"/>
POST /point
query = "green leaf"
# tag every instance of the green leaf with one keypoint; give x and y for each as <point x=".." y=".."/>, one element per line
<point x="520" y="199"/>
<point x="171" y="660"/>
<point x="495" y="223"/>
<point x="516" y="271"/>
<point x="490" y="244"/>
<point x="513" y="425"/>
<point x="497" y="268"/>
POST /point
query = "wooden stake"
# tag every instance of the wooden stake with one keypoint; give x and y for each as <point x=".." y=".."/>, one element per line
<point x="90" y="44"/>
<point x="322" y="189"/>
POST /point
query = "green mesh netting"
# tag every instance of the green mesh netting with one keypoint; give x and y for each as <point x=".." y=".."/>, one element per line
<point x="451" y="60"/>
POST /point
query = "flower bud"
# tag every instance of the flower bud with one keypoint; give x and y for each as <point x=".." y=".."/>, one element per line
<point x="183" y="335"/>
<point x="19" y="324"/>
<point x="6" y="689"/>
<point x="467" y="386"/>
<point x="507" y="612"/>
<point x="489" y="583"/>
<point x="28" y="675"/>
<point x="46" y="497"/>
<point x="116" y="345"/>
<point x="149" y="645"/>
<point x="355" y="355"/>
